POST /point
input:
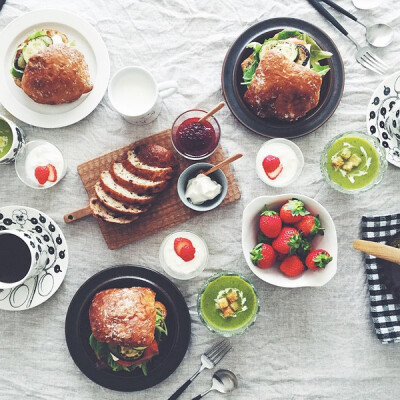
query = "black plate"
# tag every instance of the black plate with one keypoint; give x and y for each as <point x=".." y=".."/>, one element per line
<point x="331" y="90"/>
<point x="172" y="348"/>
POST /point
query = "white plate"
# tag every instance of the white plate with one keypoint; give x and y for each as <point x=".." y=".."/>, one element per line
<point x="379" y="106"/>
<point x="273" y="275"/>
<point x="37" y="290"/>
<point x="88" y="42"/>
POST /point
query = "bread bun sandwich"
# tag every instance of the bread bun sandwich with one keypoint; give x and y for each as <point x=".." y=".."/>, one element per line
<point x="127" y="326"/>
<point x="284" y="76"/>
<point x="49" y="69"/>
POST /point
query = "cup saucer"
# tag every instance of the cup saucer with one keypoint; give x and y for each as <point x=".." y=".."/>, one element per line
<point x="35" y="291"/>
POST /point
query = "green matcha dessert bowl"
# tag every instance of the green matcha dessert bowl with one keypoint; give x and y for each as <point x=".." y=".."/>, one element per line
<point x="228" y="304"/>
<point x="353" y="162"/>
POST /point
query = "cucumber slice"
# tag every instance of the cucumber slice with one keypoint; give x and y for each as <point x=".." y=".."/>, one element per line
<point x="33" y="47"/>
<point x="16" y="73"/>
<point x="288" y="49"/>
<point x="20" y="62"/>
<point x="47" y="39"/>
<point x="36" y="34"/>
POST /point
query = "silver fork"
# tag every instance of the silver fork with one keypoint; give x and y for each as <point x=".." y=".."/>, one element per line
<point x="364" y="55"/>
<point x="208" y="361"/>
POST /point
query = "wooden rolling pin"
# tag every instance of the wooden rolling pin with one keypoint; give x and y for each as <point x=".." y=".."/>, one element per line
<point x="379" y="250"/>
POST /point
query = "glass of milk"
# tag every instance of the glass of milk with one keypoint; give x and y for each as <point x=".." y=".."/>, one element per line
<point x="134" y="93"/>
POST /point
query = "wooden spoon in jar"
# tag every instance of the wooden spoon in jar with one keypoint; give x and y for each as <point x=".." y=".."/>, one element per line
<point x="212" y="111"/>
<point x="379" y="250"/>
<point x="221" y="164"/>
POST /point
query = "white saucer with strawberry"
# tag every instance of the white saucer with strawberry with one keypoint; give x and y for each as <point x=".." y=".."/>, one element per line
<point x="289" y="241"/>
<point x="183" y="255"/>
<point x="44" y="165"/>
<point x="279" y="162"/>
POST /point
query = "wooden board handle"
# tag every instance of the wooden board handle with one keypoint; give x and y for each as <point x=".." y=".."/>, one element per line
<point x="78" y="214"/>
<point x="378" y="250"/>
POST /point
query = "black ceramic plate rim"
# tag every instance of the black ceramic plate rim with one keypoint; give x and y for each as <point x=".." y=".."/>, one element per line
<point x="303" y="126"/>
<point x="83" y="360"/>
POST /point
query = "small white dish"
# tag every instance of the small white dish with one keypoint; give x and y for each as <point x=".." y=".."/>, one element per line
<point x="88" y="42"/>
<point x="39" y="153"/>
<point x="36" y="290"/>
<point x="273" y="275"/>
<point x="291" y="158"/>
<point x="174" y="266"/>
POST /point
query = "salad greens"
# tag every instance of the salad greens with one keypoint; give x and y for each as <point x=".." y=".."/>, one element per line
<point x="103" y="353"/>
<point x="316" y="54"/>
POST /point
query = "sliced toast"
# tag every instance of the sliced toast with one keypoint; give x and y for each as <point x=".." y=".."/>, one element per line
<point x="120" y="193"/>
<point x="143" y="170"/>
<point x="103" y="213"/>
<point x="117" y="206"/>
<point x="134" y="183"/>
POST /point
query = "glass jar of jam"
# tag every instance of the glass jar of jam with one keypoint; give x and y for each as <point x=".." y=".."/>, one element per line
<point x="193" y="139"/>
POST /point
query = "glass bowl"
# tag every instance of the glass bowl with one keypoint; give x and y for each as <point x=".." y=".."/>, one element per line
<point x="186" y="153"/>
<point x="228" y="332"/>
<point x="195" y="270"/>
<point x="383" y="164"/>
<point x="29" y="158"/>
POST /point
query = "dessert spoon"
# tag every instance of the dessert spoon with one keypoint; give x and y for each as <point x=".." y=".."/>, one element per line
<point x="223" y="381"/>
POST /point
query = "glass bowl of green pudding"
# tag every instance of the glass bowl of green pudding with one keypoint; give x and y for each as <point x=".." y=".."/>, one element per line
<point x="228" y="304"/>
<point x="353" y="162"/>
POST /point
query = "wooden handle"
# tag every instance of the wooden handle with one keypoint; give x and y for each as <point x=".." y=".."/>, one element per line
<point x="212" y="112"/>
<point x="378" y="250"/>
<point x="223" y="163"/>
<point x="78" y="214"/>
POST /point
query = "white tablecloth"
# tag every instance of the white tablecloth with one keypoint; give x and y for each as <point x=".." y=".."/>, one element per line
<point x="307" y="343"/>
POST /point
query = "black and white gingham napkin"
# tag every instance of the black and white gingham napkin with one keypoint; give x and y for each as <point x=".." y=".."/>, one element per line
<point x="382" y="280"/>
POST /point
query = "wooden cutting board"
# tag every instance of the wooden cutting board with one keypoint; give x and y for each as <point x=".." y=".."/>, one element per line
<point x="167" y="210"/>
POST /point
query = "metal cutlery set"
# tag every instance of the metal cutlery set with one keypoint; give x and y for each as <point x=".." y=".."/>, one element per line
<point x="378" y="35"/>
<point x="224" y="381"/>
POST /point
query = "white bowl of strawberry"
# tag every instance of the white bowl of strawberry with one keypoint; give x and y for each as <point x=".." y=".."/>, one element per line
<point x="289" y="240"/>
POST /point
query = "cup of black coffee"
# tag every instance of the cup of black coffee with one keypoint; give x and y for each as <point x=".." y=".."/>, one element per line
<point x="22" y="257"/>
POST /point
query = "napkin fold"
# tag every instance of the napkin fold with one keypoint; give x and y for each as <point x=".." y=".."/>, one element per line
<point x="383" y="279"/>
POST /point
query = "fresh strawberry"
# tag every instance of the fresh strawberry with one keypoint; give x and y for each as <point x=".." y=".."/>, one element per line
<point x="184" y="249"/>
<point x="288" y="241"/>
<point x="270" y="163"/>
<point x="263" y="256"/>
<point x="310" y="226"/>
<point x="292" y="266"/>
<point x="42" y="174"/>
<point x="274" y="174"/>
<point x="318" y="259"/>
<point x="272" y="166"/>
<point x="270" y="224"/>
<point x="52" y="173"/>
<point x="292" y="211"/>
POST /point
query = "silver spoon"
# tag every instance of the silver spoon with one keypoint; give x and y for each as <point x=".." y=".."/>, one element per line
<point x="378" y="35"/>
<point x="223" y="381"/>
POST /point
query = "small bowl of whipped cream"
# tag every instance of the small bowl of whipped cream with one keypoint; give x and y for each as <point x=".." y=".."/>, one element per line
<point x="202" y="192"/>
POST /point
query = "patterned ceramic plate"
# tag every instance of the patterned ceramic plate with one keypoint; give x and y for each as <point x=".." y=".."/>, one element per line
<point x="382" y="101"/>
<point x="38" y="289"/>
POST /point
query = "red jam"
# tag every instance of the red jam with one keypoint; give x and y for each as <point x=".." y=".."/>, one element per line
<point x="196" y="139"/>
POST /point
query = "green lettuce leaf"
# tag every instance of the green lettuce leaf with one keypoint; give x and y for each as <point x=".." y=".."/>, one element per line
<point x="316" y="54"/>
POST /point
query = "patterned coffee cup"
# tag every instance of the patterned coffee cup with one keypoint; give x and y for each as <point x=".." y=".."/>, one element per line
<point x="38" y="256"/>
